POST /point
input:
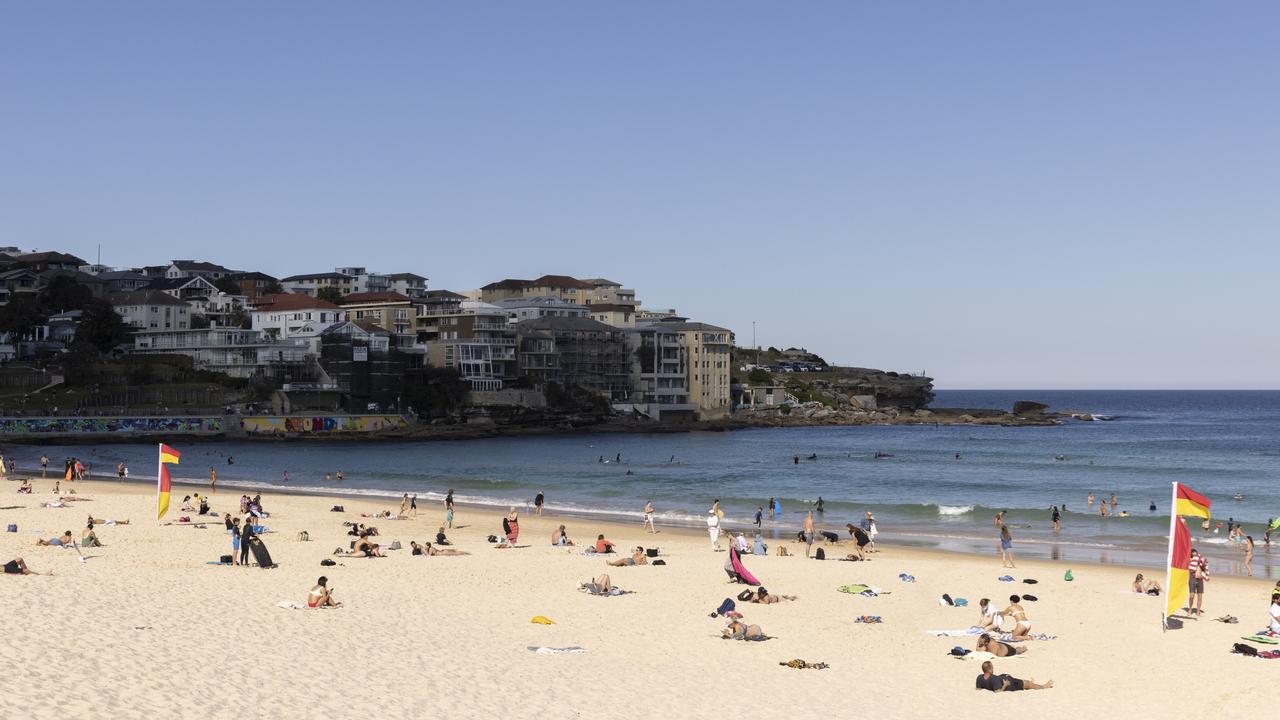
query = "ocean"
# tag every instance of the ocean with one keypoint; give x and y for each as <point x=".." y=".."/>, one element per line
<point x="1219" y="443"/>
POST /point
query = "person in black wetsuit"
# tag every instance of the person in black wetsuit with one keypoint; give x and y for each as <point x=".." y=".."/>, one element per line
<point x="246" y="534"/>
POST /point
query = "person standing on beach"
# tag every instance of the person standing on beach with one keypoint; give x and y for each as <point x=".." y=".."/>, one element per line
<point x="413" y="505"/>
<point x="448" y="500"/>
<point x="808" y="533"/>
<point x="44" y="465"/>
<point x="819" y="505"/>
<point x="868" y="525"/>
<point x="537" y="503"/>
<point x="713" y="528"/>
<point x="1248" y="555"/>
<point x="777" y="509"/>
<point x="1198" y="574"/>
<point x="759" y="515"/>
<point x="121" y="471"/>
<point x="1006" y="547"/>
<point x="771" y="503"/>
<point x="648" y="517"/>
<point x="213" y="480"/>
<point x="404" y="505"/>
<point x="1057" y="519"/>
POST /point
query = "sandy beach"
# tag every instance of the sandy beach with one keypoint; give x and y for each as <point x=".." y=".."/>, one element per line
<point x="146" y="628"/>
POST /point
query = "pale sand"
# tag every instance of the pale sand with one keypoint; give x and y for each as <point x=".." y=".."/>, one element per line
<point x="146" y="629"/>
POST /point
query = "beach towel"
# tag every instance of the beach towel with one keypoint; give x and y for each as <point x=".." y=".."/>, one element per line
<point x="542" y="620"/>
<point x="1005" y="578"/>
<point x="868" y="619"/>
<point x="1008" y="637"/>
<point x="854" y="589"/>
<point x="592" y="588"/>
<point x="906" y="578"/>
<point x="736" y="570"/>
<point x="556" y="650"/>
<point x="286" y="605"/>
<point x="967" y="632"/>
<point x="1261" y="639"/>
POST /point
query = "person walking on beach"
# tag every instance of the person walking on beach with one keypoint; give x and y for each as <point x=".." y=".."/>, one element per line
<point x="413" y="505"/>
<point x="213" y="480"/>
<point x="808" y="533"/>
<point x="759" y="515"/>
<point x="1057" y="519"/>
<point x="1006" y="547"/>
<point x="868" y="526"/>
<point x="648" y="517"/>
<point x="404" y="505"/>
<point x="537" y="503"/>
<point x="44" y="465"/>
<point x="121" y="471"/>
<point x="713" y="528"/>
<point x="1248" y="555"/>
<point x="448" y="500"/>
<point x="1198" y="574"/>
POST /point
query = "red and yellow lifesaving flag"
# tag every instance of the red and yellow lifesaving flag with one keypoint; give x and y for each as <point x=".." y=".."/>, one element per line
<point x="1189" y="502"/>
<point x="1185" y="502"/>
<point x="168" y="456"/>
<point x="1179" y="568"/>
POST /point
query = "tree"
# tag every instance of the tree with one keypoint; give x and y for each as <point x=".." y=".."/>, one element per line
<point x="227" y="285"/>
<point x="62" y="294"/>
<point x="21" y="316"/>
<point x="330" y="293"/>
<point x="759" y="376"/>
<point x="199" y="322"/>
<point x="240" y="317"/>
<point x="272" y="288"/>
<point x="101" y="327"/>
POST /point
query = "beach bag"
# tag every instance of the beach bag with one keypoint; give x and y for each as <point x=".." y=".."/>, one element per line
<point x="659" y="562"/>
<point x="304" y="536"/>
<point x="820" y="555"/>
<point x="651" y="552"/>
<point x="225" y="559"/>
<point x="782" y="551"/>
<point x="1244" y="649"/>
<point x="1067" y="576"/>
<point x="327" y="562"/>
<point x="395" y="545"/>
<point x="13" y="527"/>
<point x="493" y="538"/>
<point x="338" y="508"/>
<point x="745" y="595"/>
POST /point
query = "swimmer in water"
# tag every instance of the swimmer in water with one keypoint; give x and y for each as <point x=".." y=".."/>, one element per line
<point x="1153" y="506"/>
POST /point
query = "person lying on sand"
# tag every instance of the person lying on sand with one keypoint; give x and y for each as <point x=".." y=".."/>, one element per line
<point x="16" y="566"/>
<point x="738" y="630"/>
<point x="997" y="648"/>
<point x="442" y="551"/>
<point x="762" y="597"/>
<point x="599" y="586"/>
<point x="988" y="680"/>
<point x="1022" y="626"/>
<point x="560" y="538"/>
<point x="100" y="521"/>
<point x="1147" y="587"/>
<point x="637" y="558"/>
<point x="366" y="548"/>
<point x="321" y="596"/>
<point x="63" y="541"/>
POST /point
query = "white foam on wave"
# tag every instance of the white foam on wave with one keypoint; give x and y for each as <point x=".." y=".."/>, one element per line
<point x="954" y="509"/>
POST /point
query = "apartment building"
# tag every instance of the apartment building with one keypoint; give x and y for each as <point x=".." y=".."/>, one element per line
<point x="287" y="316"/>
<point x="151" y="310"/>
<point x="575" y="352"/>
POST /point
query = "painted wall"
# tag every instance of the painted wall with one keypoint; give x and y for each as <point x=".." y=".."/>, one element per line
<point x="322" y="424"/>
<point x="88" y="425"/>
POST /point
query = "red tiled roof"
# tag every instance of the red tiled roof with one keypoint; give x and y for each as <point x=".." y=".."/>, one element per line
<point x="292" y="301"/>
<point x="507" y="284"/>
<point x="558" y="281"/>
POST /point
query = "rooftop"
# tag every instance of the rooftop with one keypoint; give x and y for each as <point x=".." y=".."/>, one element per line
<point x="144" y="297"/>
<point x="507" y="284"/>
<point x="375" y="297"/>
<point x="199" y="266"/>
<point x="317" y="276"/>
<point x="277" y="302"/>
<point x="579" y="324"/>
<point x="405" y="276"/>
<point x="559" y="281"/>
<point x="236" y="276"/>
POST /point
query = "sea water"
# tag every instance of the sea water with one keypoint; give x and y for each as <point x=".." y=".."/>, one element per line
<point x="1217" y="443"/>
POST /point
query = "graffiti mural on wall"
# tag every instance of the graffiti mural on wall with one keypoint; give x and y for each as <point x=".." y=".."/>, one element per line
<point x="322" y="424"/>
<point x="110" y="425"/>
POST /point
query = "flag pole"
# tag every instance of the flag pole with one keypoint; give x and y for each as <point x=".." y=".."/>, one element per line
<point x="1168" y="564"/>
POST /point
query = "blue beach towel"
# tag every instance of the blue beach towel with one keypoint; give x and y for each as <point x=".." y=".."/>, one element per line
<point x="1005" y="578"/>
<point x="906" y="578"/>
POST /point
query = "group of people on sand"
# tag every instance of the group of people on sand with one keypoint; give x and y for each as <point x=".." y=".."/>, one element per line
<point x="992" y="620"/>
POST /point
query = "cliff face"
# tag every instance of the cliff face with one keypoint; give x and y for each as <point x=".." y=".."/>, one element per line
<point x="854" y="386"/>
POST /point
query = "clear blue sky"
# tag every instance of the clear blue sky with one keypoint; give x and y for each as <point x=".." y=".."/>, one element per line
<point x="1009" y="194"/>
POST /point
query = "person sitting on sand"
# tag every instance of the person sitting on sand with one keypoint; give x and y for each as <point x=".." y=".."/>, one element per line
<point x="738" y="630"/>
<point x="762" y="597"/>
<point x="25" y="487"/>
<point x="1274" y="626"/>
<point x="432" y="551"/>
<point x="63" y="541"/>
<point x="758" y="547"/>
<point x="367" y="548"/>
<point x="186" y="504"/>
<point x="1022" y="626"/>
<point x="89" y="538"/>
<point x="440" y="538"/>
<point x="997" y="648"/>
<point x="560" y="538"/>
<point x="988" y="680"/>
<point x="321" y="596"/>
<point x="637" y="558"/>
<point x="990" y="620"/>
<point x="602" y="545"/>
<point x="17" y="566"/>
<point x="1148" y="587"/>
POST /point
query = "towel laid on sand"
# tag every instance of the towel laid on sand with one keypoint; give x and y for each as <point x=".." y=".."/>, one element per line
<point x="975" y="630"/>
<point x="556" y="650"/>
<point x="286" y="605"/>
